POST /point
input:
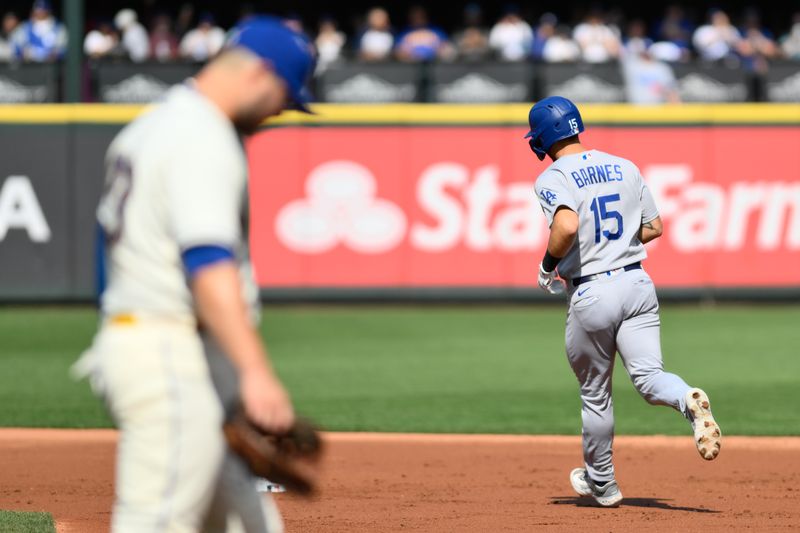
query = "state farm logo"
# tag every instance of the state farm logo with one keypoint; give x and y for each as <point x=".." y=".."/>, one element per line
<point x="459" y="206"/>
<point x="705" y="216"/>
<point x="452" y="205"/>
<point x="341" y="207"/>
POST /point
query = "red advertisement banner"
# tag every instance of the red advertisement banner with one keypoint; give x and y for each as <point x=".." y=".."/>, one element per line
<point x="454" y="206"/>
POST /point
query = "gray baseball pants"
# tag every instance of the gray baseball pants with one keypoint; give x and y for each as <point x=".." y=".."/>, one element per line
<point x="615" y="313"/>
<point x="236" y="506"/>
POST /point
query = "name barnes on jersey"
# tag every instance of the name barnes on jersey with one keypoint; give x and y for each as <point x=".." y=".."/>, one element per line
<point x="594" y="174"/>
<point x="589" y="175"/>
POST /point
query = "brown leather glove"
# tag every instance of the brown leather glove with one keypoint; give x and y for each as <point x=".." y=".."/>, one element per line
<point x="291" y="459"/>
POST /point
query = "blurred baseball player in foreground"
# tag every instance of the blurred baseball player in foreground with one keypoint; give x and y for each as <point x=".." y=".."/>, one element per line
<point x="601" y="214"/>
<point x="178" y="347"/>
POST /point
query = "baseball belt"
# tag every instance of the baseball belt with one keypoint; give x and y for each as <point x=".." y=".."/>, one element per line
<point x="592" y="277"/>
<point x="133" y="319"/>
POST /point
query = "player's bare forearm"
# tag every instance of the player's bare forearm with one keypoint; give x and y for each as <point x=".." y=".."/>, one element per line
<point x="217" y="293"/>
<point x="651" y="230"/>
<point x="562" y="232"/>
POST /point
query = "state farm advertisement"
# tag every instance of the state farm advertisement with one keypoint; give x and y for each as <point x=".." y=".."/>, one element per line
<point x="455" y="206"/>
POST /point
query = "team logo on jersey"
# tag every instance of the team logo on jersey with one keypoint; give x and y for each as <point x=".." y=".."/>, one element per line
<point x="341" y="207"/>
<point x="548" y="196"/>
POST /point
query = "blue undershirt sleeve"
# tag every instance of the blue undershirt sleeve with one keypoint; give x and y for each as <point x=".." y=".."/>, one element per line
<point x="198" y="257"/>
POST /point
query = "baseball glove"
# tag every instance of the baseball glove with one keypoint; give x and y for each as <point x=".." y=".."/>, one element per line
<point x="290" y="459"/>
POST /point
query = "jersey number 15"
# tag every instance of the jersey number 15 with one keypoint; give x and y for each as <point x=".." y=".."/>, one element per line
<point x="601" y="212"/>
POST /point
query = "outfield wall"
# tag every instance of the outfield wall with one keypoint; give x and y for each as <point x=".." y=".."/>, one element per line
<point x="426" y="200"/>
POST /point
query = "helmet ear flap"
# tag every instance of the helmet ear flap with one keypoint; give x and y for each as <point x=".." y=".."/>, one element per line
<point x="536" y="147"/>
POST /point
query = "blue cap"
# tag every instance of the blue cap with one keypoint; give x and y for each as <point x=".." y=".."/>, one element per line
<point x="289" y="53"/>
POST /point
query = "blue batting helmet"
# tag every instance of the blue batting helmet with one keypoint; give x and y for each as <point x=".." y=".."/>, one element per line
<point x="551" y="120"/>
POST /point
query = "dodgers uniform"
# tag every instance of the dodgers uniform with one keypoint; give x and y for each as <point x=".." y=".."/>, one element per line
<point x="596" y="245"/>
<point x="613" y="306"/>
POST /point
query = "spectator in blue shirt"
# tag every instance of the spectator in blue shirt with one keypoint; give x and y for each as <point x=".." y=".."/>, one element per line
<point x="636" y="40"/>
<point x="422" y="41"/>
<point x="758" y="45"/>
<point x="674" y="28"/>
<point x="544" y="31"/>
<point x="42" y="38"/>
<point x="718" y="40"/>
<point x="673" y="36"/>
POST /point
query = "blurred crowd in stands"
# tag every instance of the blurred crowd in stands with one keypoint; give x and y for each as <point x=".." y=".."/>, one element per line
<point x="601" y="36"/>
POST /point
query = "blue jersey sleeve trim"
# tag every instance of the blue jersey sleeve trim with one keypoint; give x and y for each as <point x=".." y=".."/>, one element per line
<point x="198" y="257"/>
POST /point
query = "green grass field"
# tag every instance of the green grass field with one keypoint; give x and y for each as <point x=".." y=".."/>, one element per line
<point x="18" y="522"/>
<point x="470" y="369"/>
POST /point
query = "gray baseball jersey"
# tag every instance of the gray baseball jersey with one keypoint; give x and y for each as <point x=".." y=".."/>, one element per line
<point x="612" y="201"/>
<point x="609" y="314"/>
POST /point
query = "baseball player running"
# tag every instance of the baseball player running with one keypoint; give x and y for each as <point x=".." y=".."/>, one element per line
<point x="601" y="214"/>
<point x="178" y="347"/>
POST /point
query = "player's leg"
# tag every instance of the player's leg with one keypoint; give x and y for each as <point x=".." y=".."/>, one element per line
<point x="639" y="344"/>
<point x="171" y="447"/>
<point x="591" y="351"/>
<point x="237" y="506"/>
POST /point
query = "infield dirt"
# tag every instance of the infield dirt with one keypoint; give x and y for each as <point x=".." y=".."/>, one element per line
<point x="442" y="483"/>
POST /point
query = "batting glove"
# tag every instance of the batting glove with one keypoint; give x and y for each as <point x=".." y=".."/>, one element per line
<point x="549" y="282"/>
